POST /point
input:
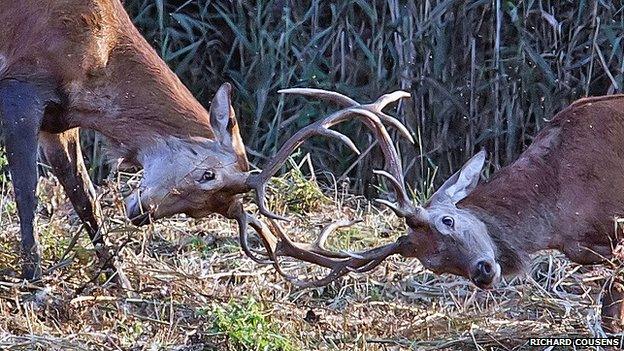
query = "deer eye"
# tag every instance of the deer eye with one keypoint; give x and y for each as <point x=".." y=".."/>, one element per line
<point x="448" y="221"/>
<point x="207" y="176"/>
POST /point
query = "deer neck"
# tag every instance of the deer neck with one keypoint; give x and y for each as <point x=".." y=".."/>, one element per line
<point x="130" y="95"/>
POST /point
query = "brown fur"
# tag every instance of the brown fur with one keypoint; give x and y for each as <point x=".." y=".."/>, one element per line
<point x="564" y="191"/>
<point x="72" y="64"/>
<point x="108" y="77"/>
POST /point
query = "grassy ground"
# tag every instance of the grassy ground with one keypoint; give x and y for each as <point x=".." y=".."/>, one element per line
<point x="192" y="288"/>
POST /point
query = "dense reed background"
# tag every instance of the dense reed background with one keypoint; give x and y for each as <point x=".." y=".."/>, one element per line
<point x="482" y="73"/>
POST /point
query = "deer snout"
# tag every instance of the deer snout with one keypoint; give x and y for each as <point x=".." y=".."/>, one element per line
<point x="135" y="212"/>
<point x="485" y="273"/>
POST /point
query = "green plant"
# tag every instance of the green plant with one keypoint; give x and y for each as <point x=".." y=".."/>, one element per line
<point x="352" y="239"/>
<point x="207" y="248"/>
<point x="298" y="194"/>
<point x="248" y="326"/>
<point x="130" y="333"/>
<point x="481" y="73"/>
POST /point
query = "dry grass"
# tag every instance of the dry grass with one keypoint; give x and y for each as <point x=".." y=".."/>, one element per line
<point x="192" y="288"/>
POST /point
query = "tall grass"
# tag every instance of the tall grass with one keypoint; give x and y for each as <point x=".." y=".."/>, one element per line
<point x="482" y="73"/>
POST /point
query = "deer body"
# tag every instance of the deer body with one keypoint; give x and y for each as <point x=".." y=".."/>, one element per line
<point x="92" y="63"/>
<point x="563" y="192"/>
<point x="73" y="64"/>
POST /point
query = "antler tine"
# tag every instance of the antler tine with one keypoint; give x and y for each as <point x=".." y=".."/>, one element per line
<point x="243" y="220"/>
<point x="345" y="139"/>
<point x="261" y="195"/>
<point x="322" y="238"/>
<point x="279" y="244"/>
<point x="405" y="206"/>
<point x="386" y="99"/>
<point x="393" y="165"/>
<point x="345" y="101"/>
<point x="321" y="127"/>
<point x="400" y="127"/>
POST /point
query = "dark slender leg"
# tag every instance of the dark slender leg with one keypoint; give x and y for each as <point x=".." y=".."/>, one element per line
<point x="62" y="151"/>
<point x="21" y="112"/>
<point x="613" y="306"/>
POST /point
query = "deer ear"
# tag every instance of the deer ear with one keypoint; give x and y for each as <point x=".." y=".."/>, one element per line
<point x="463" y="182"/>
<point x="223" y="120"/>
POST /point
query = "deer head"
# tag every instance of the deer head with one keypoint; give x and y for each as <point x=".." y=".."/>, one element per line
<point x="452" y="239"/>
<point x="196" y="176"/>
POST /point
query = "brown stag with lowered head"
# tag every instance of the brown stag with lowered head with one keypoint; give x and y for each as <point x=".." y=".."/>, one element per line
<point x="73" y="64"/>
<point x="564" y="192"/>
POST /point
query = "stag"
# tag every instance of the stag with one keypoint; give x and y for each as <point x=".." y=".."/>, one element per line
<point x="67" y="65"/>
<point x="563" y="193"/>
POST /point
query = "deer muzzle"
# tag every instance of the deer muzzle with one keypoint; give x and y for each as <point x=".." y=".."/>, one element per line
<point x="486" y="273"/>
<point x="136" y="212"/>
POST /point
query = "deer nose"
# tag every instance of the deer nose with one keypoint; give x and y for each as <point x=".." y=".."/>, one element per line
<point x="484" y="274"/>
<point x="141" y="219"/>
<point x="135" y="214"/>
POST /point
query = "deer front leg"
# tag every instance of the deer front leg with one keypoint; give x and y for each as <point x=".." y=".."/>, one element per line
<point x="62" y="151"/>
<point x="613" y="306"/>
<point x="21" y="112"/>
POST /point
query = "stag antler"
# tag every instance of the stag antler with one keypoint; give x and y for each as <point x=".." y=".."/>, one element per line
<point x="404" y="206"/>
<point x="371" y="114"/>
<point x="277" y="243"/>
